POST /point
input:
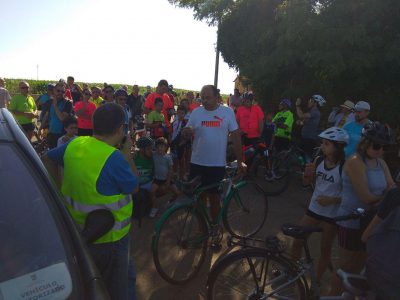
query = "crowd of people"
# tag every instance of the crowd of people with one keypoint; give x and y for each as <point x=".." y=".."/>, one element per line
<point x="184" y="138"/>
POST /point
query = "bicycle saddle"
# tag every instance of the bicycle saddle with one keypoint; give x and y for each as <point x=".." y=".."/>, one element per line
<point x="299" y="232"/>
<point x="354" y="283"/>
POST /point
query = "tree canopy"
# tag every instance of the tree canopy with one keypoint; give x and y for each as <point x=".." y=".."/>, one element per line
<point x="337" y="48"/>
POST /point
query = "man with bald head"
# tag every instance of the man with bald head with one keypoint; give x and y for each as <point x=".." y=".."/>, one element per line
<point x="210" y="125"/>
<point x="4" y="94"/>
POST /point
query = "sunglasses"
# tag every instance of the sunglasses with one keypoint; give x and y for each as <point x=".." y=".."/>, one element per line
<point x="59" y="91"/>
<point x="24" y="87"/>
<point x="377" y="146"/>
<point x="109" y="91"/>
<point x="87" y="94"/>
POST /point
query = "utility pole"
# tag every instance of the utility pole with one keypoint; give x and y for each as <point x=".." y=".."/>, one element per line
<point x="37" y="72"/>
<point x="217" y="58"/>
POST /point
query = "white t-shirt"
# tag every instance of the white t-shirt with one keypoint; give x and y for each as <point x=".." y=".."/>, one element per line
<point x="328" y="183"/>
<point x="211" y="129"/>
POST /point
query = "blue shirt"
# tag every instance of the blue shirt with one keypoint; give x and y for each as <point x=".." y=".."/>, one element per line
<point x="55" y="124"/>
<point x="354" y="131"/>
<point x="115" y="178"/>
<point x="43" y="98"/>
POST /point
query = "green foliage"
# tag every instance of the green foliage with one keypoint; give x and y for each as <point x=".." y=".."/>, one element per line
<point x="341" y="49"/>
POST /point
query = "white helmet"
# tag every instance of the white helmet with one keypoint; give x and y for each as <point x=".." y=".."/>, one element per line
<point x="335" y="134"/>
<point x="319" y="99"/>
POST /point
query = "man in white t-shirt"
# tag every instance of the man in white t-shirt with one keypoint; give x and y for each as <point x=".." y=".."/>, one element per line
<point x="210" y="126"/>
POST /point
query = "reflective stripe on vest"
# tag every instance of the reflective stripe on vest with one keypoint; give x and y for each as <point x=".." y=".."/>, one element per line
<point x="84" y="160"/>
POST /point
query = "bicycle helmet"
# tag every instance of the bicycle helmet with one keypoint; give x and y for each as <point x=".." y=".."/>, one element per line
<point x="335" y="134"/>
<point x="379" y="133"/>
<point x="120" y="92"/>
<point x="144" y="142"/>
<point x="319" y="99"/>
<point x="286" y="102"/>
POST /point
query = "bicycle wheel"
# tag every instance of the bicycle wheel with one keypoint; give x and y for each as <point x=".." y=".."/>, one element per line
<point x="254" y="274"/>
<point x="180" y="245"/>
<point x="274" y="181"/>
<point x="246" y="211"/>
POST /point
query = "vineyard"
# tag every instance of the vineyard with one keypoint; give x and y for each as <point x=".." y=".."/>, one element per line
<point x="40" y="86"/>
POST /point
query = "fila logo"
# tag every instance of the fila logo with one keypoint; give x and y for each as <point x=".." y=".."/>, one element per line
<point x="325" y="177"/>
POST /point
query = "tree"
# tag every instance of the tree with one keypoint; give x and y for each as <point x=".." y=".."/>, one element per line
<point x="340" y="49"/>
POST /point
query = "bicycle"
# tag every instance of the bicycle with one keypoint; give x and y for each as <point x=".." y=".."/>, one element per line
<point x="262" y="270"/>
<point x="180" y="239"/>
<point x="259" y="159"/>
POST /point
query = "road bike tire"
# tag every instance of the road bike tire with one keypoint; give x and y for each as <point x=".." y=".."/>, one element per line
<point x="247" y="210"/>
<point x="179" y="246"/>
<point x="277" y="184"/>
<point x="253" y="273"/>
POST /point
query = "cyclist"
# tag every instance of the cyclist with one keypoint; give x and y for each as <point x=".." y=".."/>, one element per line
<point x="210" y="125"/>
<point x="343" y="115"/>
<point x="84" y="110"/>
<point x="327" y="194"/>
<point x="310" y="121"/>
<point x="354" y="128"/>
<point x="24" y="109"/>
<point x="366" y="178"/>
<point x="250" y="118"/>
<point x="284" y="123"/>
<point x="145" y="166"/>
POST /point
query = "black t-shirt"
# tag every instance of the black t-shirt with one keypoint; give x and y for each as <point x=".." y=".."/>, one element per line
<point x="389" y="203"/>
<point x="135" y="104"/>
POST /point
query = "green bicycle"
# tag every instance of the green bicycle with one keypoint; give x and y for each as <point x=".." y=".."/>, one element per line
<point x="180" y="239"/>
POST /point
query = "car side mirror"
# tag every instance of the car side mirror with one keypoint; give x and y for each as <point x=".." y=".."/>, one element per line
<point x="98" y="223"/>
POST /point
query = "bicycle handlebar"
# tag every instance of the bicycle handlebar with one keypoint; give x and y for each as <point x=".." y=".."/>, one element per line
<point x="357" y="214"/>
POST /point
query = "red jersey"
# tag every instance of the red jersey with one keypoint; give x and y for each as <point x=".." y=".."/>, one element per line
<point x="248" y="120"/>
<point x="85" y="120"/>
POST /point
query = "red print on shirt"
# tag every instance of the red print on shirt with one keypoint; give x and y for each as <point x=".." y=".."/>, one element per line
<point x="212" y="123"/>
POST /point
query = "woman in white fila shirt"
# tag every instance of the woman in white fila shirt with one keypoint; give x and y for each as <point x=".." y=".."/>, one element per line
<point x="325" y="201"/>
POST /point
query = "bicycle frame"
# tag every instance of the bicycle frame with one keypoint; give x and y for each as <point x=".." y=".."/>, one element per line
<point x="195" y="202"/>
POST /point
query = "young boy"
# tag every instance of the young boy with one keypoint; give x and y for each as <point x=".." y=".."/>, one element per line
<point x="145" y="167"/>
<point x="71" y="130"/>
<point x="155" y="120"/>
<point x="163" y="172"/>
<point x="178" y="144"/>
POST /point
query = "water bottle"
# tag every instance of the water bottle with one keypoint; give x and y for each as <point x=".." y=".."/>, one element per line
<point x="301" y="160"/>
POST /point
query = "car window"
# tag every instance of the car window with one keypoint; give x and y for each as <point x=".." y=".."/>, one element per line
<point x="33" y="260"/>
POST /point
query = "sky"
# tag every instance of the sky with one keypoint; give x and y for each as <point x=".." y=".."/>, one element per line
<point x="117" y="41"/>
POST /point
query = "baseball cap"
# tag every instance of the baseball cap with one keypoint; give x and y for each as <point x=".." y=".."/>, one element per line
<point x="348" y="104"/>
<point x="362" y="105"/>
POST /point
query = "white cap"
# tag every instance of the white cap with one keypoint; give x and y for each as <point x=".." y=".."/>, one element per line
<point x="362" y="105"/>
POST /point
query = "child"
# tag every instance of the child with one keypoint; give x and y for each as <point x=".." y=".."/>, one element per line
<point x="162" y="172"/>
<point x="145" y="167"/>
<point x="155" y="120"/>
<point x="185" y="104"/>
<point x="327" y="194"/>
<point x="178" y="144"/>
<point x="71" y="130"/>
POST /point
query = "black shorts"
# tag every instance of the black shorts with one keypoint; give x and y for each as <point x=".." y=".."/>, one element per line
<point x="209" y="175"/>
<point x="159" y="181"/>
<point x="28" y="127"/>
<point x="308" y="145"/>
<point x="318" y="217"/>
<point x="350" y="239"/>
